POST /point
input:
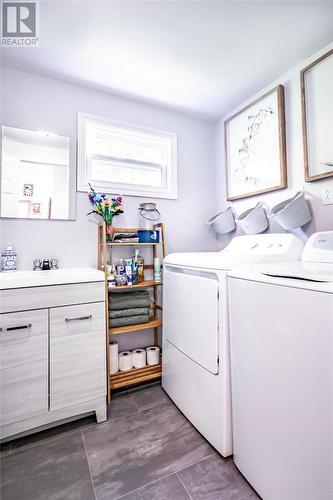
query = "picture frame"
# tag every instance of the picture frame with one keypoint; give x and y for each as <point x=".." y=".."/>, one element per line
<point x="316" y="81"/>
<point x="255" y="147"/>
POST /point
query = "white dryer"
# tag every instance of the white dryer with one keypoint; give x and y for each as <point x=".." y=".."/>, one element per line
<point x="196" y="372"/>
<point x="281" y="342"/>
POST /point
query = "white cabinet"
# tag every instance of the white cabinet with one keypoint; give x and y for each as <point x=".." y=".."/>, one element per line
<point x="77" y="355"/>
<point x="23" y="365"/>
<point x="52" y="348"/>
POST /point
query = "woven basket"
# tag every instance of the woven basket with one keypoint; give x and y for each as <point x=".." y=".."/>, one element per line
<point x="292" y="213"/>
<point x="254" y="220"/>
<point x="223" y="222"/>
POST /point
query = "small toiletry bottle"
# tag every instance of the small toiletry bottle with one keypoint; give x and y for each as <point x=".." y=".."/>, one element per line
<point x="111" y="279"/>
<point x="129" y="271"/>
<point x="157" y="270"/>
<point x="135" y="273"/>
<point x="140" y="265"/>
<point x="8" y="259"/>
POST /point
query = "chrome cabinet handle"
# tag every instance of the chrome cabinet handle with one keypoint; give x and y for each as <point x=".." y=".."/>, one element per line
<point x="81" y="318"/>
<point x="20" y="327"/>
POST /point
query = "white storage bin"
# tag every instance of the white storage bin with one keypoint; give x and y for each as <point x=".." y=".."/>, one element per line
<point x="254" y="220"/>
<point x="292" y="213"/>
<point x="223" y="222"/>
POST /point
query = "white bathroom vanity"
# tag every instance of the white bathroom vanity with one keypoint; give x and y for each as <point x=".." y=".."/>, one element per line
<point x="53" y="348"/>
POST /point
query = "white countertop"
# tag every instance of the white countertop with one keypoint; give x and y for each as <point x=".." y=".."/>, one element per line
<point x="24" y="279"/>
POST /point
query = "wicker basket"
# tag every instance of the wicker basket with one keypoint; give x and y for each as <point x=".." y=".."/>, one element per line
<point x="223" y="222"/>
<point x="254" y="220"/>
<point x="292" y="213"/>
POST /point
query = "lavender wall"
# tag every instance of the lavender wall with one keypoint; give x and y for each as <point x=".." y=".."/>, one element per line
<point x="322" y="216"/>
<point x="34" y="102"/>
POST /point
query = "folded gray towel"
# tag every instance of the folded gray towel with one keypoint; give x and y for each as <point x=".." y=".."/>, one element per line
<point x="130" y="320"/>
<point x="136" y="311"/>
<point x="129" y="300"/>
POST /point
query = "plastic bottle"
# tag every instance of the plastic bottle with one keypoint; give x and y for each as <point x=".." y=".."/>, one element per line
<point x="8" y="259"/>
<point x="111" y="279"/>
<point x="157" y="270"/>
<point x="140" y="262"/>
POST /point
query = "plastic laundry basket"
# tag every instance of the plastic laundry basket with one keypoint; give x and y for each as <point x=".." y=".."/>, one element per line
<point x="292" y="213"/>
<point x="223" y="222"/>
<point x="254" y="220"/>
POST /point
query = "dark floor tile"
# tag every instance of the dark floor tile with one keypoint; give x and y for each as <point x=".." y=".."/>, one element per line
<point x="122" y="405"/>
<point x="148" y="397"/>
<point x="59" y="430"/>
<point x="168" y="488"/>
<point x="56" y="469"/>
<point x="4" y="449"/>
<point x="129" y="452"/>
<point x="216" y="478"/>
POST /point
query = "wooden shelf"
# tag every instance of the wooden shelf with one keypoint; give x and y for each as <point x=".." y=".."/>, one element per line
<point x="134" y="376"/>
<point x="104" y="257"/>
<point x="153" y="323"/>
<point x="131" y="244"/>
<point x="142" y="284"/>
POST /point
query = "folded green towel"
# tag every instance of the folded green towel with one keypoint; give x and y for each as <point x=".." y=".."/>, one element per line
<point x="129" y="300"/>
<point x="130" y="320"/>
<point x="136" y="311"/>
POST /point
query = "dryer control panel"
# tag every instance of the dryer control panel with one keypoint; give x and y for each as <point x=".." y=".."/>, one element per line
<point x="265" y="245"/>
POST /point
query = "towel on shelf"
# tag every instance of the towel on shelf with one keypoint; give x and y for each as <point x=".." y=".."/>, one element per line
<point x="130" y="320"/>
<point x="125" y="238"/>
<point x="129" y="300"/>
<point x="134" y="311"/>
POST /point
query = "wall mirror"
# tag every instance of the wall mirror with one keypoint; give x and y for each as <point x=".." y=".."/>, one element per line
<point x="37" y="175"/>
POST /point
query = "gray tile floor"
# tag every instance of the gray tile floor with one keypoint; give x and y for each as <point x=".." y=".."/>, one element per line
<point x="147" y="450"/>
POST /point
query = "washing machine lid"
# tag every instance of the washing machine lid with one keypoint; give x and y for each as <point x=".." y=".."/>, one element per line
<point x="247" y="249"/>
<point x="305" y="275"/>
<point x="316" y="265"/>
<point x="309" y="271"/>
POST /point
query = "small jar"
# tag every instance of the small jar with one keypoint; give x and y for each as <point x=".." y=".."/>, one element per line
<point x="148" y="216"/>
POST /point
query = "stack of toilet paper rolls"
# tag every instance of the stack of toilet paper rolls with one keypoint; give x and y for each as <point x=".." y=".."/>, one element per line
<point x="138" y="358"/>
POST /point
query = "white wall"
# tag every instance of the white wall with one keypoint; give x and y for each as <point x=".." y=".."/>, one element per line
<point x="322" y="216"/>
<point x="34" y="102"/>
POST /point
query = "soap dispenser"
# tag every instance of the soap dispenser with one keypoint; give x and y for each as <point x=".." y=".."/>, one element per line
<point x="8" y="259"/>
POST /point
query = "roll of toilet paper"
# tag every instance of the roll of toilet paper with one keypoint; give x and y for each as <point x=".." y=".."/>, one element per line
<point x="113" y="351"/>
<point x="125" y="361"/>
<point x="139" y="358"/>
<point x="153" y="355"/>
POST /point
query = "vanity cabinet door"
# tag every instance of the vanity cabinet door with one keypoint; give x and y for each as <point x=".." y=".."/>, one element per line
<point x="77" y="354"/>
<point x="23" y="365"/>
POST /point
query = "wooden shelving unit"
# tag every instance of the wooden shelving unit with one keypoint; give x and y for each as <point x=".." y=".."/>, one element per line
<point x="153" y="323"/>
<point x="115" y="244"/>
<point x="123" y="379"/>
<point x="134" y="376"/>
<point x="142" y="284"/>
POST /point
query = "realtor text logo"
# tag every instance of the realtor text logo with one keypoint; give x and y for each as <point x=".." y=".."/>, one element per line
<point x="19" y="23"/>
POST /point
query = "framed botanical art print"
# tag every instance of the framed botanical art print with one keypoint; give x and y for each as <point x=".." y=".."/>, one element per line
<point x="255" y="147"/>
<point x="317" y="117"/>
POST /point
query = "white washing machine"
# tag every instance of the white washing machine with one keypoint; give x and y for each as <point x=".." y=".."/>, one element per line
<point x="196" y="372"/>
<point x="281" y="342"/>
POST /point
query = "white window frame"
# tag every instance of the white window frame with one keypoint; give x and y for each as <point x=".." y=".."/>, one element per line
<point x="170" y="189"/>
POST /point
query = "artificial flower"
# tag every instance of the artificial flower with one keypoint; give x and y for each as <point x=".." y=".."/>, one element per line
<point x="104" y="207"/>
